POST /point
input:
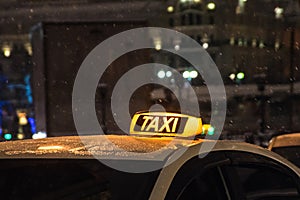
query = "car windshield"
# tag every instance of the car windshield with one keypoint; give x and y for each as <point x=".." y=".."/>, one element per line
<point x="292" y="153"/>
<point x="70" y="179"/>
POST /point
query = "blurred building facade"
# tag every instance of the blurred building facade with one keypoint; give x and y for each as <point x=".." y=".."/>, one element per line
<point x="255" y="45"/>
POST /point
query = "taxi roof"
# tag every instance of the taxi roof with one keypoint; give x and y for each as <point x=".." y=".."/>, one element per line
<point x="88" y="146"/>
<point x="286" y="140"/>
<point x="103" y="146"/>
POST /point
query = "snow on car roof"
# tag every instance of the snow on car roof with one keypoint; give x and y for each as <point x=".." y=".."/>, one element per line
<point x="285" y="140"/>
<point x="87" y="146"/>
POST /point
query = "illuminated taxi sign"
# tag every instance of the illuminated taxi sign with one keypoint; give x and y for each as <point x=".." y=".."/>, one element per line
<point x="165" y="124"/>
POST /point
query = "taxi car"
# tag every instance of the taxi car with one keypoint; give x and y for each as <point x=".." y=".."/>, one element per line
<point x="69" y="167"/>
<point x="288" y="146"/>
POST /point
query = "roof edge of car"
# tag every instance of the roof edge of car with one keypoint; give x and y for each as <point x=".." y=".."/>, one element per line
<point x="219" y="146"/>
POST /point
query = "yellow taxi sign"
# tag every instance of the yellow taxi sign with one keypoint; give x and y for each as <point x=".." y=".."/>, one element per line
<point x="165" y="124"/>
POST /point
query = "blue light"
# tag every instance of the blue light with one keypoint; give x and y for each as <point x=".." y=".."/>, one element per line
<point x="28" y="88"/>
<point x="32" y="125"/>
<point x="1" y="116"/>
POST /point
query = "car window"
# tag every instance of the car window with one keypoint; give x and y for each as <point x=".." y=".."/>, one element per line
<point x="234" y="175"/>
<point x="199" y="179"/>
<point x="70" y="180"/>
<point x="253" y="176"/>
<point x="292" y="153"/>
<point x="263" y="182"/>
<point x="208" y="185"/>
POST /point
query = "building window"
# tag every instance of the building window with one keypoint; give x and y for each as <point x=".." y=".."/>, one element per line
<point x="171" y="22"/>
<point x="191" y="19"/>
<point x="198" y="19"/>
<point x="183" y="18"/>
<point x="211" y="20"/>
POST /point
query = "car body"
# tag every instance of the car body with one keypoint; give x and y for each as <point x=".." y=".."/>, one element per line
<point x="74" y="167"/>
<point x="288" y="146"/>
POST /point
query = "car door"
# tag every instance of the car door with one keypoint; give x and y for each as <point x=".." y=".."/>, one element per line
<point x="234" y="175"/>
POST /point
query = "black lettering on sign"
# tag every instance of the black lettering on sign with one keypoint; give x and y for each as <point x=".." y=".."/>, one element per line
<point x="160" y="124"/>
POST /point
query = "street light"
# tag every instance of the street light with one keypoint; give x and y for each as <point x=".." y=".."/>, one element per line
<point x="240" y="75"/>
<point x="211" y="6"/>
<point x="6" y="50"/>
